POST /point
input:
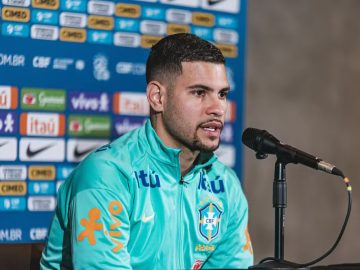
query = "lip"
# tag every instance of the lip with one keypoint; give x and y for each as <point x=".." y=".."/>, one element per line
<point x="212" y="128"/>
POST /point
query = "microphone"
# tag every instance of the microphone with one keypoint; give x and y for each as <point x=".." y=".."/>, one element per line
<point x="262" y="142"/>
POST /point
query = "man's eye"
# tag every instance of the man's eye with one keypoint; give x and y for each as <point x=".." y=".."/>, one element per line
<point x="199" y="93"/>
<point x="223" y="94"/>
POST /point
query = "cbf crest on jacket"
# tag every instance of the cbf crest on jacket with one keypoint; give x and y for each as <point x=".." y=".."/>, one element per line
<point x="126" y="206"/>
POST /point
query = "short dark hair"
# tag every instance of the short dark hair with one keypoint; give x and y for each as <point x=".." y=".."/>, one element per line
<point x="166" y="56"/>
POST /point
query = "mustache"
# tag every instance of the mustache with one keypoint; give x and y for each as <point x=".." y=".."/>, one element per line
<point x="212" y="122"/>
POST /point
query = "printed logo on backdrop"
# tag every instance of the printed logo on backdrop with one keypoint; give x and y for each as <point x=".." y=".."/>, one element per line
<point x="100" y="67"/>
<point x="230" y="6"/>
<point x="44" y="149"/>
<point x="89" y="126"/>
<point x="78" y="149"/>
<point x="12" y="204"/>
<point x="38" y="234"/>
<point x="153" y="13"/>
<point x="13" y="188"/>
<point x="153" y="28"/>
<point x="63" y="171"/>
<point x="15" y="14"/>
<point x="74" y="5"/>
<point x="42" y="124"/>
<point x="42" y="172"/>
<point x="8" y="123"/>
<point x="131" y="40"/>
<point x="226" y="36"/>
<point x="18" y="3"/>
<point x="12" y="60"/>
<point x="127" y="25"/>
<point x="130" y="68"/>
<point x="128" y="10"/>
<point x="178" y="16"/>
<point x="148" y="41"/>
<point x="8" y="148"/>
<point x="105" y="8"/>
<point x="48" y="4"/>
<point x="128" y="103"/>
<point x="13" y="172"/>
<point x="100" y="37"/>
<point x="41" y="188"/>
<point x="41" y="203"/>
<point x="12" y="235"/>
<point x="43" y="99"/>
<point x="41" y="61"/>
<point x="44" y="32"/>
<point x="184" y="3"/>
<point x="44" y="17"/>
<point x="89" y="101"/>
<point x="227" y="134"/>
<point x="15" y="30"/>
<point x="226" y="154"/>
<point x="124" y="124"/>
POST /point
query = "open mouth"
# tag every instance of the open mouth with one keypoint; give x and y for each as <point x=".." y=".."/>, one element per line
<point x="212" y="128"/>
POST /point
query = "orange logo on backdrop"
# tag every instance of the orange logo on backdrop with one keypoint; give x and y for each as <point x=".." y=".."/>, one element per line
<point x="91" y="225"/>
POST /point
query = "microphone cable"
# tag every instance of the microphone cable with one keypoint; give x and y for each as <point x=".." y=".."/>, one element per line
<point x="349" y="192"/>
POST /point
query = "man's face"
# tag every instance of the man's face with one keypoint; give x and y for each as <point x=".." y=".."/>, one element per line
<point x="195" y="107"/>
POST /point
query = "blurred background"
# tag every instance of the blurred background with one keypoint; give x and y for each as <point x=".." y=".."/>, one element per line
<point x="303" y="78"/>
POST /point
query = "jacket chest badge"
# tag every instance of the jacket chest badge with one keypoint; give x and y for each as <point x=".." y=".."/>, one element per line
<point x="209" y="221"/>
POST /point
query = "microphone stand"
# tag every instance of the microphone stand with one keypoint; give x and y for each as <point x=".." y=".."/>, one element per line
<point x="279" y="203"/>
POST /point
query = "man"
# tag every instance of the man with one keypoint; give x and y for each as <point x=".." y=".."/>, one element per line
<point x="157" y="197"/>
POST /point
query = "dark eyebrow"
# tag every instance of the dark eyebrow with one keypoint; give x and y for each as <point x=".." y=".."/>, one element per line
<point x="205" y="87"/>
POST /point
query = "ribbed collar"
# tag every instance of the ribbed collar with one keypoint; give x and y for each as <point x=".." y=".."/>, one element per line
<point x="168" y="155"/>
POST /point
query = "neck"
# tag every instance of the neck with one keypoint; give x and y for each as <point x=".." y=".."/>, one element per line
<point x="187" y="156"/>
<point x="187" y="159"/>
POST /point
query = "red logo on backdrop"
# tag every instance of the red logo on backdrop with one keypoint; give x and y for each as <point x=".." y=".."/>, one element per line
<point x="29" y="99"/>
<point x="197" y="265"/>
<point x="75" y="126"/>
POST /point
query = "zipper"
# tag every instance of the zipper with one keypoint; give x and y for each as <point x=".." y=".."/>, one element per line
<point x="180" y="223"/>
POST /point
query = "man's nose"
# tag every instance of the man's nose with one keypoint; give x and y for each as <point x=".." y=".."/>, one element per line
<point x="216" y="106"/>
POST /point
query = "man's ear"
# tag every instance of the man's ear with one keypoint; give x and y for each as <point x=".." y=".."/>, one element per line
<point x="155" y="93"/>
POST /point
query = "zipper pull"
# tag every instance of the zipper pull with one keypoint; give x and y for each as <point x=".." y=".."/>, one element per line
<point x="182" y="181"/>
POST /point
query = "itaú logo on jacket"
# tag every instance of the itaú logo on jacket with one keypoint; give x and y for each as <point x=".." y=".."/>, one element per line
<point x="214" y="186"/>
<point x="148" y="179"/>
<point x="42" y="124"/>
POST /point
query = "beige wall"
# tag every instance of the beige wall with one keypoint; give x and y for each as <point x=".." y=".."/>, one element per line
<point x="303" y="80"/>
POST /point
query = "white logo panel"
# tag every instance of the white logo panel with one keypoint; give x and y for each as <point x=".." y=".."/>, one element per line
<point x="230" y="6"/>
<point x="41" y="203"/>
<point x="13" y="172"/>
<point x="8" y="149"/>
<point x="226" y="154"/>
<point x="78" y="149"/>
<point x="184" y="3"/>
<point x="105" y="8"/>
<point x="43" y="149"/>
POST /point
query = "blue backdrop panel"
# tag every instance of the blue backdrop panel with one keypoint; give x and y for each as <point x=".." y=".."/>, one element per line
<point x="72" y="79"/>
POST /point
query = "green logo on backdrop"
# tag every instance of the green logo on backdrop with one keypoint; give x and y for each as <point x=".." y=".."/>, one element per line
<point x="43" y="99"/>
<point x="89" y="126"/>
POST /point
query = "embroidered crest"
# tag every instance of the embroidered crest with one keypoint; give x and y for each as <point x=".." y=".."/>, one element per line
<point x="209" y="222"/>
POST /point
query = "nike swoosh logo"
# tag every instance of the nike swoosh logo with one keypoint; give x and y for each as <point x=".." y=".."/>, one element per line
<point x="30" y="152"/>
<point x="214" y="2"/>
<point x="3" y="144"/>
<point x="146" y="219"/>
<point x="78" y="153"/>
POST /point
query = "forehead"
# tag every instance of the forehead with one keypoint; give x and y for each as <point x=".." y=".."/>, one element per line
<point x="207" y="73"/>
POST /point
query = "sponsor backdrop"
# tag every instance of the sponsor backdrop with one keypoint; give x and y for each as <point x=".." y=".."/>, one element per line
<point x="72" y="79"/>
